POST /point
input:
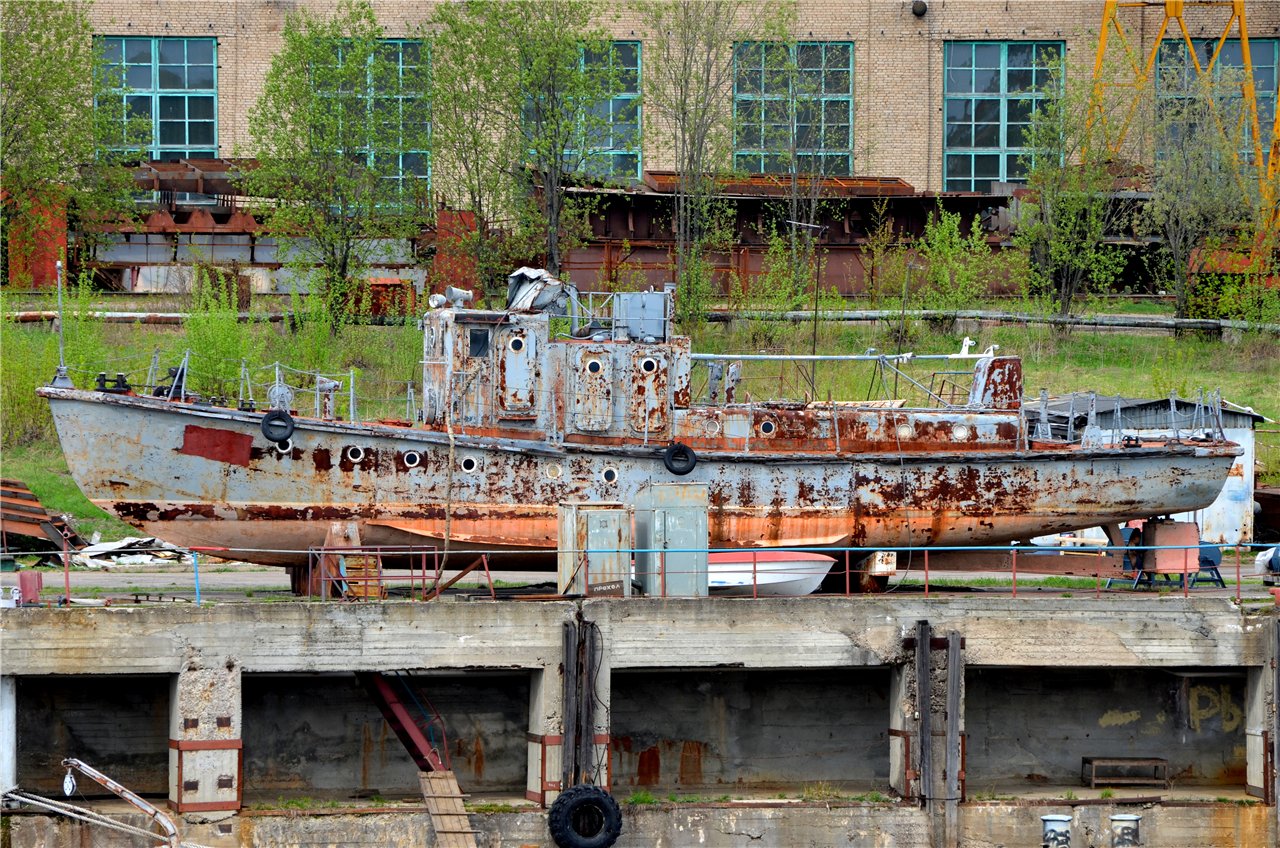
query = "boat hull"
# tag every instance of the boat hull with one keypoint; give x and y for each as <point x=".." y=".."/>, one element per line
<point x="205" y="476"/>
<point x="766" y="574"/>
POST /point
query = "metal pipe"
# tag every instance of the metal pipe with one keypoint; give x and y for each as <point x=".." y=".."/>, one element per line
<point x="804" y="357"/>
<point x="154" y="814"/>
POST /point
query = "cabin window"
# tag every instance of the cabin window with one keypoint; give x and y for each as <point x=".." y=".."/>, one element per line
<point x="479" y="341"/>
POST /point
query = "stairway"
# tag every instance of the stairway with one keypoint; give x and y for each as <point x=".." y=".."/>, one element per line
<point x="412" y="724"/>
<point x="421" y="730"/>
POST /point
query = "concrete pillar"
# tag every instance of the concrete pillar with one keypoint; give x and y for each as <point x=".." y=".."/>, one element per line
<point x="8" y="733"/>
<point x="902" y="721"/>
<point x="545" y="735"/>
<point x="205" y="733"/>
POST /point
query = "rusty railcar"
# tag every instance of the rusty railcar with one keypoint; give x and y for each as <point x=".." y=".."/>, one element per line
<point x="522" y="409"/>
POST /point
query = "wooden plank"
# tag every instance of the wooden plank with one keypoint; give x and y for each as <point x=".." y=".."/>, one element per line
<point x="448" y="812"/>
<point x="955" y="674"/>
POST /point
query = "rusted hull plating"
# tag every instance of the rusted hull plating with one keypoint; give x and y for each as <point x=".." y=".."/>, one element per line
<point x="196" y="475"/>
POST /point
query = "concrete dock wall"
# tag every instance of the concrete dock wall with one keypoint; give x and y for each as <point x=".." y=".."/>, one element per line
<point x="985" y="825"/>
<point x="707" y="696"/>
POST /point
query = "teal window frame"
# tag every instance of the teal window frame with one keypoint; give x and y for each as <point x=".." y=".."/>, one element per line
<point x="616" y="151"/>
<point x="1265" y="56"/>
<point x="172" y="81"/>
<point x="412" y="163"/>
<point x="765" y="108"/>
<point x="988" y="101"/>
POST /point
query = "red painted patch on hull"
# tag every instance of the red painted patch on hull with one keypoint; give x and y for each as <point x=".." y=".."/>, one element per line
<point x="217" y="445"/>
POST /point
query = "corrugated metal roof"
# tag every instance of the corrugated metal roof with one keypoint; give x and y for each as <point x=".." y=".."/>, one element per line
<point x="1137" y="413"/>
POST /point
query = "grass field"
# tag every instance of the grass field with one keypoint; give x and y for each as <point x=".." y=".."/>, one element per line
<point x="1246" y="370"/>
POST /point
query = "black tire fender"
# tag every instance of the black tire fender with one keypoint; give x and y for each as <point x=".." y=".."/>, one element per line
<point x="277" y="425"/>
<point x="679" y="459"/>
<point x="584" y="816"/>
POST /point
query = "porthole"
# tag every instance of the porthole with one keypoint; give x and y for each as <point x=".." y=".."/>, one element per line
<point x="905" y="431"/>
<point x="553" y="471"/>
<point x="960" y="432"/>
<point x="516" y="344"/>
<point x="470" y="464"/>
<point x="609" y="475"/>
<point x="284" y="448"/>
<point x="648" y="365"/>
<point x="711" y="427"/>
<point x="412" y="459"/>
<point x="594" y="366"/>
<point x="767" y="428"/>
<point x="355" y="453"/>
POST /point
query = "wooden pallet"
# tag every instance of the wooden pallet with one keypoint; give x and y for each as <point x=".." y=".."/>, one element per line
<point x="448" y="815"/>
<point x="364" y="578"/>
<point x="22" y="515"/>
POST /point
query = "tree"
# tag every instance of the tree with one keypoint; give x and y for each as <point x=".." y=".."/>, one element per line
<point x="955" y="261"/>
<point x="341" y="134"/>
<point x="1198" y="190"/>
<point x="544" y="75"/>
<point x="1070" y="208"/>
<point x="472" y="152"/>
<point x="689" y="96"/>
<point x="54" y="151"/>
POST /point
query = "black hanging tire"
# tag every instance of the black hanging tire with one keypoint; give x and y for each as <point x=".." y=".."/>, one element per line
<point x="679" y="459"/>
<point x="584" y="816"/>
<point x="277" y="426"/>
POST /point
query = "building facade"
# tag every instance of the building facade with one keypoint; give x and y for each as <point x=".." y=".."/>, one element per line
<point x="935" y="93"/>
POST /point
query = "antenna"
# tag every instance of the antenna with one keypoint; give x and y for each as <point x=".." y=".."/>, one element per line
<point x="60" y="378"/>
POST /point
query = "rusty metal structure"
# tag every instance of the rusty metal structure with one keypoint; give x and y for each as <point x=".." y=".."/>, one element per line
<point x="1139" y="73"/>
<point x="631" y="242"/>
<point x="561" y="398"/>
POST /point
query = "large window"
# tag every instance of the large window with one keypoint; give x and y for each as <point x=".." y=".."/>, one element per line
<point x="793" y="107"/>
<point x="990" y="94"/>
<point x="400" y="101"/>
<point x="1175" y="75"/>
<point x="615" y="135"/>
<point x="172" y="84"/>
<point x="380" y="112"/>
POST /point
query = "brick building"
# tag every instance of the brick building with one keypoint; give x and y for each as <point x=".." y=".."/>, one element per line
<point x="928" y="88"/>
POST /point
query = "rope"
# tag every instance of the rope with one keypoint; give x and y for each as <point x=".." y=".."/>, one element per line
<point x="83" y="814"/>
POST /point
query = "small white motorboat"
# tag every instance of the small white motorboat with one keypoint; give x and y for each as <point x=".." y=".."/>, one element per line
<point x="762" y="573"/>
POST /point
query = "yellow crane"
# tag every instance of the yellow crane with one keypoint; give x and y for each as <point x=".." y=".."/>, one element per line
<point x="1139" y="66"/>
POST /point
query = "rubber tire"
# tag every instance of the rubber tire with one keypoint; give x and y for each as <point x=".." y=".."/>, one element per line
<point x="277" y="425"/>
<point x="584" y="807"/>
<point x="679" y="459"/>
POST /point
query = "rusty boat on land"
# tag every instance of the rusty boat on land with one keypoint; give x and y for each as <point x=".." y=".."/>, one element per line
<point x="555" y="400"/>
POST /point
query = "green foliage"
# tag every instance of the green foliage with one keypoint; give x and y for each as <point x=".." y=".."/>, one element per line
<point x="776" y="288"/>
<point x="30" y="357"/>
<point x="955" y="277"/>
<point x="525" y="82"/>
<point x="1062" y="224"/>
<point x="688" y="89"/>
<point x="218" y="341"/>
<point x="1240" y="297"/>
<point x="694" y="289"/>
<point x="885" y="259"/>
<point x="53" y="142"/>
<point x="313" y="341"/>
<point x="42" y="466"/>
<point x="328" y="150"/>
<point x="820" y="791"/>
<point x="1196" y="179"/>
<point x="641" y="797"/>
